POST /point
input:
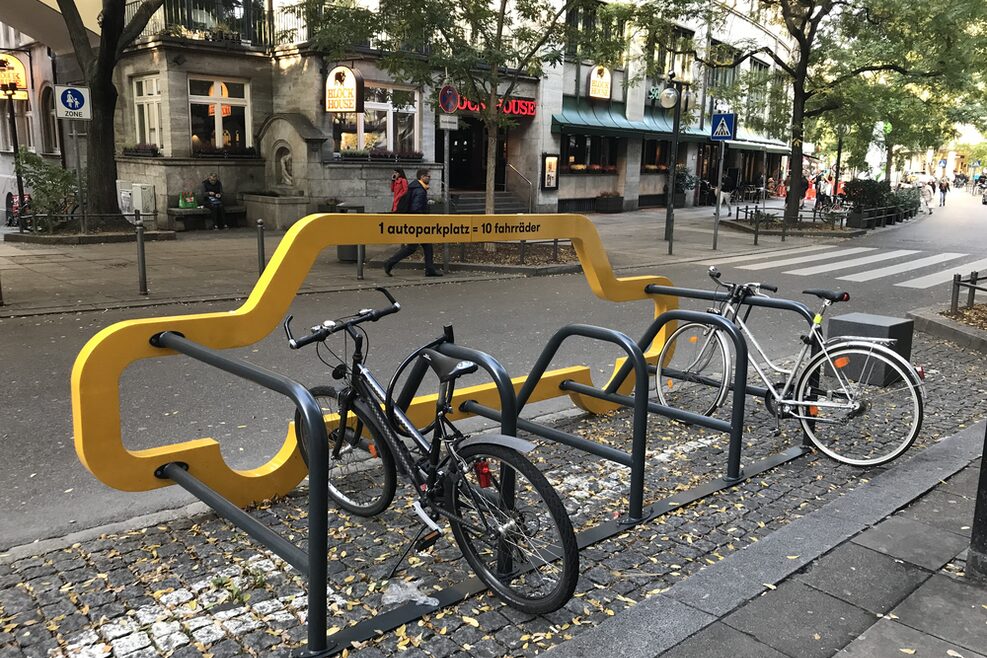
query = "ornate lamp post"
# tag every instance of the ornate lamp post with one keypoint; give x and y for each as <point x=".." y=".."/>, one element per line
<point x="8" y="87"/>
<point x="671" y="97"/>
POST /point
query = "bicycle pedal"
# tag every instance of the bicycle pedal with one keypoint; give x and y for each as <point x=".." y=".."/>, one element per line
<point x="428" y="541"/>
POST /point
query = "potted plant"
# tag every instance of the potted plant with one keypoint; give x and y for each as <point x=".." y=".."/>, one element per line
<point x="354" y="154"/>
<point x="609" y="202"/>
<point x="142" y="150"/>
<point x="684" y="182"/>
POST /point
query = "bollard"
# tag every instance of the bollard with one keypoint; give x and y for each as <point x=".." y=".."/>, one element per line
<point x="784" y="229"/>
<point x="141" y="265"/>
<point x="954" y="301"/>
<point x="1" y="292"/>
<point x="524" y="249"/>
<point x="361" y="255"/>
<point x="757" y="227"/>
<point x="973" y="289"/>
<point x="555" y="250"/>
<point x="445" y="258"/>
<point x="261" y="258"/>
<point x="976" y="561"/>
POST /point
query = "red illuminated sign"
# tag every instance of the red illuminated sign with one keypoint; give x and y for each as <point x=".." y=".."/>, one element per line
<point x="515" y="107"/>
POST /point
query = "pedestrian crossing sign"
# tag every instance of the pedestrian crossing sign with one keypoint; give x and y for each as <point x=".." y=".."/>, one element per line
<point x="723" y="126"/>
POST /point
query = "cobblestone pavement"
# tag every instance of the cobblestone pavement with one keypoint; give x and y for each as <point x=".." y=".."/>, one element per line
<point x="200" y="587"/>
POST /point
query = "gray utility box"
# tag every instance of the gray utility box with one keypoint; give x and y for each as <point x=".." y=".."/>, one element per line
<point x="874" y="326"/>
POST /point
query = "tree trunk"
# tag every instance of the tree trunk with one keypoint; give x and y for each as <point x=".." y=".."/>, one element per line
<point x="889" y="161"/>
<point x="490" y="122"/>
<point x="796" y="190"/>
<point x="101" y="161"/>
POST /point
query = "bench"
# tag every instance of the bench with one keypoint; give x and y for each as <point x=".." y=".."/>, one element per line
<point x="190" y="219"/>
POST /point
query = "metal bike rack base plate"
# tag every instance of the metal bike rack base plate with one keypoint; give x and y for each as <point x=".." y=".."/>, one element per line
<point x="388" y="621"/>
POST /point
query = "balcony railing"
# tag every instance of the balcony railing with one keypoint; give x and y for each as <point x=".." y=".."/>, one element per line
<point x="237" y="22"/>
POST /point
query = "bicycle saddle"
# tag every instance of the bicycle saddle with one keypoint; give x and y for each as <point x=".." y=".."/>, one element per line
<point x="447" y="368"/>
<point x="831" y="295"/>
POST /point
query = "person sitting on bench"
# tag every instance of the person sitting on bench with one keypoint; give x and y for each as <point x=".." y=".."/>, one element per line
<point x="212" y="197"/>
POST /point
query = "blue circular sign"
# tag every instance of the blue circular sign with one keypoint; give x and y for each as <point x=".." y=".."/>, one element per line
<point x="72" y="99"/>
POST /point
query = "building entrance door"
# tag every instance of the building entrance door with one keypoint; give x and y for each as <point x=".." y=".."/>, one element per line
<point x="467" y="155"/>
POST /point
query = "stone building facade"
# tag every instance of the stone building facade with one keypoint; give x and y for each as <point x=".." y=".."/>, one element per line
<point x="247" y="102"/>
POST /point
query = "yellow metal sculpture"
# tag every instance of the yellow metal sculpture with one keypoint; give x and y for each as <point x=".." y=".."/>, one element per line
<point x="99" y="366"/>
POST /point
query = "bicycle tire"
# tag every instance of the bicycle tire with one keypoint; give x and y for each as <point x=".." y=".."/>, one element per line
<point x="362" y="480"/>
<point x="694" y="351"/>
<point x="533" y="559"/>
<point x="888" y="413"/>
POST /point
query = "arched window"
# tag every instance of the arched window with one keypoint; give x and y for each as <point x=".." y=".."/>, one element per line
<point x="49" y="125"/>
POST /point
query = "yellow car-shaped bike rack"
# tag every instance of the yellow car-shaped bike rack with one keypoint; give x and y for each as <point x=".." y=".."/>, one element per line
<point x="99" y="366"/>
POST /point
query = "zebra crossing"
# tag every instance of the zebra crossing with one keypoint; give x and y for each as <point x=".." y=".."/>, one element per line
<point x="859" y="264"/>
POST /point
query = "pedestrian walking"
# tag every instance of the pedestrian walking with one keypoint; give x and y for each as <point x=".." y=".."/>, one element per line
<point x="399" y="188"/>
<point x="212" y="199"/>
<point x="943" y="190"/>
<point x="417" y="204"/>
<point x="725" y="191"/>
<point x="926" y="192"/>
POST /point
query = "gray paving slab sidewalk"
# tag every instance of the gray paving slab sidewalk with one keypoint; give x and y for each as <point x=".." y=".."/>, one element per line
<point x="833" y="583"/>
<point x="222" y="265"/>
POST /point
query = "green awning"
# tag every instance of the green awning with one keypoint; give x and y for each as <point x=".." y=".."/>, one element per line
<point x="609" y="119"/>
<point x="750" y="141"/>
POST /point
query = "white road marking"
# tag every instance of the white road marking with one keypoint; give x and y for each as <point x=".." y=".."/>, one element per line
<point x="807" y="259"/>
<point x="853" y="262"/>
<point x="945" y="275"/>
<point x="764" y="254"/>
<point x="870" y="275"/>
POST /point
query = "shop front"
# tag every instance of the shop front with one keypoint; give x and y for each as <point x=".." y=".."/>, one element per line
<point x="468" y="145"/>
<point x="605" y="155"/>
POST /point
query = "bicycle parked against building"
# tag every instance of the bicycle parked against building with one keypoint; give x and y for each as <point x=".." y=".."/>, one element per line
<point x="507" y="519"/>
<point x="856" y="399"/>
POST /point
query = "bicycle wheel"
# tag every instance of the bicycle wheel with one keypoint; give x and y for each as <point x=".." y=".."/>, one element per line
<point x="521" y="546"/>
<point x="693" y="368"/>
<point x="869" y="409"/>
<point x="362" y="479"/>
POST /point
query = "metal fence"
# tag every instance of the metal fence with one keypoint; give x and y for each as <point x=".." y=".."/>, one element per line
<point x="970" y="283"/>
<point x="240" y="22"/>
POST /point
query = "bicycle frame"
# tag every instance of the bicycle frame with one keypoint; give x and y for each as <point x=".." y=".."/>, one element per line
<point x="731" y="311"/>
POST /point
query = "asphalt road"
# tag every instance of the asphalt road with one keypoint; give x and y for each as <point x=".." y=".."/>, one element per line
<point x="46" y="492"/>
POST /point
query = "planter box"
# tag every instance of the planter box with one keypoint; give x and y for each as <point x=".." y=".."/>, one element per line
<point x="609" y="204"/>
<point x="278" y="211"/>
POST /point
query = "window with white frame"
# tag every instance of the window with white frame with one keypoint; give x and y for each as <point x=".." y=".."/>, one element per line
<point x="219" y="113"/>
<point x="389" y="122"/>
<point x="49" y="124"/>
<point x="147" y="110"/>
<point x="757" y="92"/>
<point x="22" y="120"/>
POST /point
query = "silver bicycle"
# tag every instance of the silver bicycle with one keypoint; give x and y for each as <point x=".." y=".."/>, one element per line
<point x="857" y="400"/>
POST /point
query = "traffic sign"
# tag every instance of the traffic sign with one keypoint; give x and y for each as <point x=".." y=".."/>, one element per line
<point x="72" y="103"/>
<point x="723" y="127"/>
<point x="449" y="99"/>
<point x="976" y="163"/>
<point x="448" y="122"/>
<point x="942" y="163"/>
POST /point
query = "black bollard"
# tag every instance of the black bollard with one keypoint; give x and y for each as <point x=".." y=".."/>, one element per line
<point x="976" y="561"/>
<point x="261" y="259"/>
<point x="141" y="265"/>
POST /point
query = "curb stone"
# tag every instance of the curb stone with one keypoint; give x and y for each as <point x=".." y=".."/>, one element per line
<point x="695" y="603"/>
<point x="931" y="321"/>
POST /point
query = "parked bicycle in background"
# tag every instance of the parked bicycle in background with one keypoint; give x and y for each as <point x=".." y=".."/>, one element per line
<point x="857" y="400"/>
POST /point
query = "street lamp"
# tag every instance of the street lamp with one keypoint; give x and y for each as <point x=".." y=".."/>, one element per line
<point x="8" y="87"/>
<point x="671" y="96"/>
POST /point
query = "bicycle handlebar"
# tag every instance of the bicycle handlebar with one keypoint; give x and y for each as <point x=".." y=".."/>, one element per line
<point x="329" y="327"/>
<point x="753" y="285"/>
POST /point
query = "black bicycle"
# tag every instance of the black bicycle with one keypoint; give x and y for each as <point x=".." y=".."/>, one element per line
<point x="507" y="519"/>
